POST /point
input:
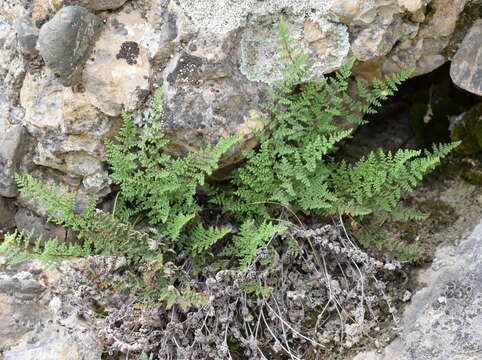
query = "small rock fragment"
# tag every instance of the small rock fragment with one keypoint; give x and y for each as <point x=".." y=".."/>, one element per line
<point x="66" y="41"/>
<point x="466" y="67"/>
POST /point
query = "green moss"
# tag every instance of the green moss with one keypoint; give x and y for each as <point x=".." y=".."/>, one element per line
<point x="469" y="130"/>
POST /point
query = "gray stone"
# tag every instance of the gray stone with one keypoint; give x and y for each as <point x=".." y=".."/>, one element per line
<point x="7" y="214"/>
<point x="27" y="36"/>
<point x="12" y="72"/>
<point x="11" y="150"/>
<point x="379" y="37"/>
<point x="117" y="75"/>
<point x="444" y="319"/>
<point x="65" y="41"/>
<point x="425" y="48"/>
<point x="28" y="221"/>
<point x="36" y="323"/>
<point x="91" y="4"/>
<point x="69" y="131"/>
<point x="466" y="67"/>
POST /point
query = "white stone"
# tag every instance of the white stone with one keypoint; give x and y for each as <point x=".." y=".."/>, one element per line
<point x="116" y="77"/>
<point x="411" y="5"/>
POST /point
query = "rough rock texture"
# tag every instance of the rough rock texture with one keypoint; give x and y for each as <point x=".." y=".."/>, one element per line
<point x="65" y="41"/>
<point x="69" y="129"/>
<point x="466" y="67"/>
<point x="11" y="151"/>
<point x="215" y="58"/>
<point x="12" y="72"/>
<point x="7" y="211"/>
<point x="422" y="40"/>
<point x="117" y="74"/>
<point x="35" y="324"/>
<point x="26" y="220"/>
<point x="444" y="320"/>
<point x="27" y="35"/>
<point x="91" y="4"/>
<point x="327" y="41"/>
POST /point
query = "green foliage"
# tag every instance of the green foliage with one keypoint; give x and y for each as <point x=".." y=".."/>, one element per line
<point x="291" y="174"/>
<point x="375" y="183"/>
<point x="21" y="246"/>
<point x="145" y="356"/>
<point x="100" y="233"/>
<point x="292" y="168"/>
<point x="255" y="287"/>
<point x="151" y="180"/>
<point x="251" y="236"/>
<point x="202" y="239"/>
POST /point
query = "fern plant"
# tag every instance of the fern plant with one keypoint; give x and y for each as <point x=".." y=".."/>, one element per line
<point x="293" y="168"/>
<point x="292" y="172"/>
<point x="99" y="232"/>
<point x="151" y="180"/>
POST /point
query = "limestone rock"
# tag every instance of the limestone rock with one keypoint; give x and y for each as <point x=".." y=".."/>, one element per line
<point x="411" y="5"/>
<point x="91" y="4"/>
<point x="66" y="40"/>
<point x="27" y="36"/>
<point x="71" y="154"/>
<point x="206" y="99"/>
<point x="326" y="41"/>
<point x="35" y="324"/>
<point x="424" y="50"/>
<point x="346" y="10"/>
<point x="12" y="72"/>
<point x="7" y="212"/>
<point x="444" y="320"/>
<point x="50" y="107"/>
<point x="466" y="67"/>
<point x="70" y="131"/>
<point x="117" y="74"/>
<point x="11" y="150"/>
<point x="27" y="221"/>
<point x="222" y="16"/>
<point x="379" y="37"/>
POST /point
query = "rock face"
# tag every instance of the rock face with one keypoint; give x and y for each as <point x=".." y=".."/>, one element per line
<point x="117" y="74"/>
<point x="7" y="210"/>
<point x="69" y="130"/>
<point x="66" y="40"/>
<point x="35" y="324"/>
<point x="26" y="220"/>
<point x="27" y="36"/>
<point x="91" y="4"/>
<point x="444" y="320"/>
<point x="11" y="151"/>
<point x="215" y="59"/>
<point x="422" y="37"/>
<point x="466" y="67"/>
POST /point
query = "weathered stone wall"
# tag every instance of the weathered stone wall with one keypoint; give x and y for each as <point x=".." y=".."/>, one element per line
<point x="69" y="67"/>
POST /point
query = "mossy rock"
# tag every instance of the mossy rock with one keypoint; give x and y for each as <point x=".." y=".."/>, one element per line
<point x="468" y="129"/>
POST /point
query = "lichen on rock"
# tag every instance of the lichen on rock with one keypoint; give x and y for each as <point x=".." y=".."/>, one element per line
<point x="328" y="43"/>
<point x="221" y="16"/>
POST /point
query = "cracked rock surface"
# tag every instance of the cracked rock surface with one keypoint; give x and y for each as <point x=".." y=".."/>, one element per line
<point x="444" y="319"/>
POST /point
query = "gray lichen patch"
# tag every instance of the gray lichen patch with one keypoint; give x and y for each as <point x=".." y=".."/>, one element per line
<point x="222" y="16"/>
<point x="327" y="42"/>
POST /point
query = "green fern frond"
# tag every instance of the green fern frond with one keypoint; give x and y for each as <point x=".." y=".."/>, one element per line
<point x="201" y="239"/>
